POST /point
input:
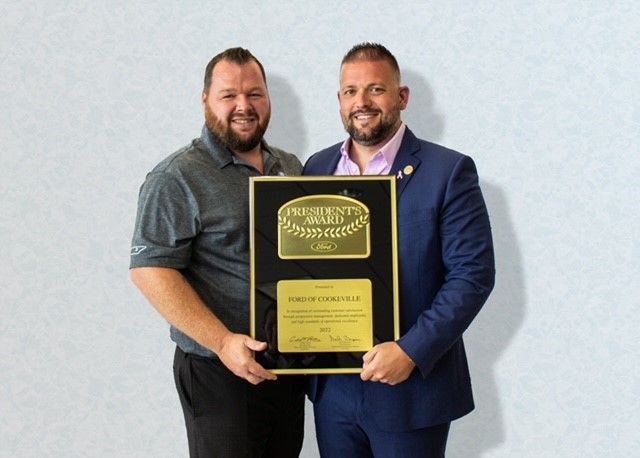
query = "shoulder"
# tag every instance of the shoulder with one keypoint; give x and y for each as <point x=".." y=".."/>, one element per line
<point x="329" y="151"/>
<point x="186" y="157"/>
<point x="176" y="174"/>
<point x="433" y="155"/>
<point x="426" y="149"/>
<point x="289" y="160"/>
<point x="323" y="157"/>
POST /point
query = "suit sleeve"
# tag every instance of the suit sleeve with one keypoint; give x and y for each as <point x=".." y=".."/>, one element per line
<point x="468" y="269"/>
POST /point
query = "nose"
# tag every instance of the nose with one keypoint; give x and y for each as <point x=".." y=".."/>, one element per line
<point x="242" y="102"/>
<point x="362" y="98"/>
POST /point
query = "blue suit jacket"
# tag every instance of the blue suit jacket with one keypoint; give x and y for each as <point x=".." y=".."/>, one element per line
<point x="446" y="269"/>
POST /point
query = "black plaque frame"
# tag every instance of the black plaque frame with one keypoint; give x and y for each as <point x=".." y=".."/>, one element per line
<point x="267" y="195"/>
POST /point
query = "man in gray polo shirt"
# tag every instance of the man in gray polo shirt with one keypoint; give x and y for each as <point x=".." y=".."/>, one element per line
<point x="190" y="258"/>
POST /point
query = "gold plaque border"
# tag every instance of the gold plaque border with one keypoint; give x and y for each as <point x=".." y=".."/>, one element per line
<point x="394" y="238"/>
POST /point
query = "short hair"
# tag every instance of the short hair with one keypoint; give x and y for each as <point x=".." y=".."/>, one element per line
<point x="371" y="52"/>
<point x="238" y="56"/>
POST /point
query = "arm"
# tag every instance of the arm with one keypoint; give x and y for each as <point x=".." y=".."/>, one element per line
<point x="467" y="269"/>
<point x="464" y="239"/>
<point x="174" y="298"/>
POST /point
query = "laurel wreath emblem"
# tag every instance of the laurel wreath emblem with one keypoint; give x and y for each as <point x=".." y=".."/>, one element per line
<point x="330" y="232"/>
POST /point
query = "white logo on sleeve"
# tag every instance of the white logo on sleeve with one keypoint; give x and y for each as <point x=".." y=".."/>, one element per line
<point x="137" y="249"/>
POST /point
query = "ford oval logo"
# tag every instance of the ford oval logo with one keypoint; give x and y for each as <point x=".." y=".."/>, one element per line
<point x="324" y="246"/>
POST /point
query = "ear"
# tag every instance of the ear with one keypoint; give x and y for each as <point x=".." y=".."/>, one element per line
<point x="204" y="97"/>
<point x="404" y="97"/>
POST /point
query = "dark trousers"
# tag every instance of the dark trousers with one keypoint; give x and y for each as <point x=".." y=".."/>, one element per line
<point x="345" y="426"/>
<point x="227" y="417"/>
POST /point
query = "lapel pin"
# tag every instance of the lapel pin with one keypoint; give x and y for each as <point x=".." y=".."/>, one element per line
<point x="399" y="176"/>
<point x="408" y="170"/>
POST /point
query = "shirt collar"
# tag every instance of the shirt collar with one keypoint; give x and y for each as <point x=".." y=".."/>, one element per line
<point x="389" y="151"/>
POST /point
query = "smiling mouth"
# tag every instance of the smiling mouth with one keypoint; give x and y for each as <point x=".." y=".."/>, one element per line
<point x="244" y="122"/>
<point x="364" y="116"/>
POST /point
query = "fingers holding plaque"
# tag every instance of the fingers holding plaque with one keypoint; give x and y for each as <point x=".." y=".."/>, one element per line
<point x="323" y="270"/>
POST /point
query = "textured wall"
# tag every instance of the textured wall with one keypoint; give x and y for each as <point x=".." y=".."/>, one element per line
<point x="544" y="95"/>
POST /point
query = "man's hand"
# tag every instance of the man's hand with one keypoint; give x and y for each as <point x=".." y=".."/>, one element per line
<point x="237" y="354"/>
<point x="177" y="301"/>
<point x="386" y="363"/>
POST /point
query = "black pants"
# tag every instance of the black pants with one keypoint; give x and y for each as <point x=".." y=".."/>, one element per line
<point x="227" y="417"/>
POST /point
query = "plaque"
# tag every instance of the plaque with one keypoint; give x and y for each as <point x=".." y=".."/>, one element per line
<point x="324" y="280"/>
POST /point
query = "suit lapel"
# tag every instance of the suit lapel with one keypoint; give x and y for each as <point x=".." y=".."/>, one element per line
<point x="406" y="163"/>
<point x="330" y="166"/>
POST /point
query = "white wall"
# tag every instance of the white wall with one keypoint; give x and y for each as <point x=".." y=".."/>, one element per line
<point x="544" y="94"/>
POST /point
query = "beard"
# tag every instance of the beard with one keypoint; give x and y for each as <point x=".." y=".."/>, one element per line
<point x="387" y="126"/>
<point x="223" y="131"/>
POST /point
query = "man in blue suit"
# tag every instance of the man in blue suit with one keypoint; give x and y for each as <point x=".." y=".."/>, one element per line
<point x="409" y="390"/>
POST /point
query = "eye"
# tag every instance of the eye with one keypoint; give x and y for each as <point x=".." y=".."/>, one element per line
<point x="348" y="92"/>
<point x="376" y="90"/>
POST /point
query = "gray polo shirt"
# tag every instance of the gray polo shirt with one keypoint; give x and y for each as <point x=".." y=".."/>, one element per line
<point x="193" y="216"/>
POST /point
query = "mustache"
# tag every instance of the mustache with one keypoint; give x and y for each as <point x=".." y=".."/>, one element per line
<point x="249" y="113"/>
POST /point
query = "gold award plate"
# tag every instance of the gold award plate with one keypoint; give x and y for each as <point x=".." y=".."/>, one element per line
<point x="325" y="315"/>
<point x="323" y="226"/>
